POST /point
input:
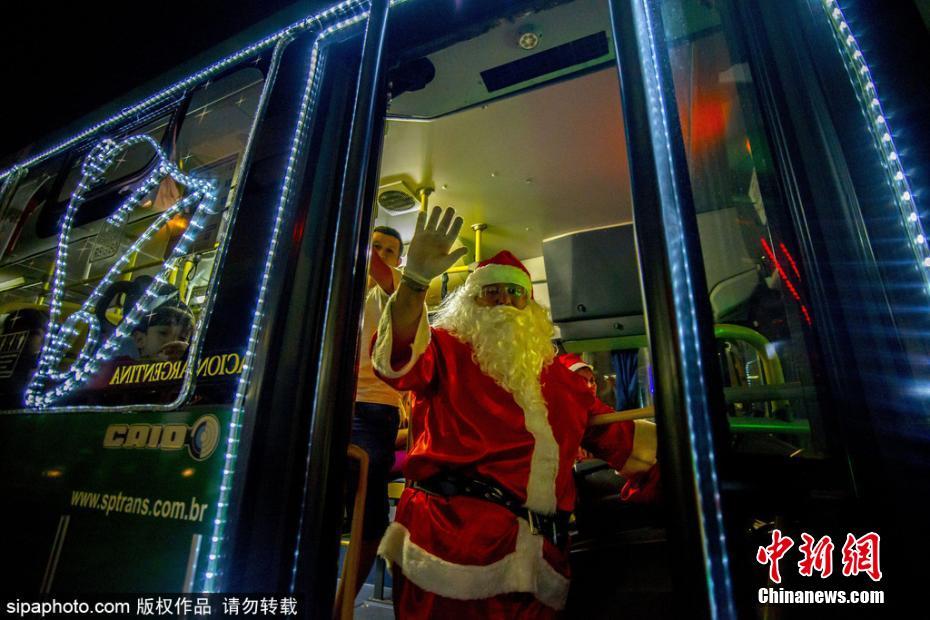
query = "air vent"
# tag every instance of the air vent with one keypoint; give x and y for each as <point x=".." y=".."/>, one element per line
<point x="397" y="198"/>
<point x="561" y="57"/>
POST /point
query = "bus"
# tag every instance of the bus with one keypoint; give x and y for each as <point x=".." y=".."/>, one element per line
<point x="712" y="200"/>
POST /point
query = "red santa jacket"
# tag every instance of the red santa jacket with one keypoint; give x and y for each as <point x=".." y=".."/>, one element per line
<point x="468" y="548"/>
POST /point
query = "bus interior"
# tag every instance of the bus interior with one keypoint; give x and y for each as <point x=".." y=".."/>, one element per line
<point x="529" y="148"/>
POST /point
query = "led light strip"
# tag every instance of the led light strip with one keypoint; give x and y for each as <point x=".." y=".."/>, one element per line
<point x="49" y="384"/>
<point x="650" y="39"/>
<point x="861" y="77"/>
<point x="196" y="343"/>
<point x="307" y="105"/>
<point x="349" y="8"/>
<point x="179" y="87"/>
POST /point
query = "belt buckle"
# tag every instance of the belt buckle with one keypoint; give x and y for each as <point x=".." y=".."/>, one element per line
<point x="534" y="524"/>
<point x="538" y="527"/>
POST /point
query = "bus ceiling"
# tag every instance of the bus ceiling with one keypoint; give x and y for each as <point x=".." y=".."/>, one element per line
<point x="501" y="128"/>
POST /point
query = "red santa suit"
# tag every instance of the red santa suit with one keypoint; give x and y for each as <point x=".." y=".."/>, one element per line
<point x="466" y="548"/>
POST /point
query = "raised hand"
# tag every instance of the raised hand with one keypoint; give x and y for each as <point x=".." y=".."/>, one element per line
<point x="428" y="255"/>
<point x="172" y="351"/>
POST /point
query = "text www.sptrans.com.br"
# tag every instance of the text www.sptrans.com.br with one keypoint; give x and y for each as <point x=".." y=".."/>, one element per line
<point x="143" y="506"/>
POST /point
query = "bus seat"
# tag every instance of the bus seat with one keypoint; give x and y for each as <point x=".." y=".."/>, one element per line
<point x="620" y="557"/>
<point x="731" y="269"/>
<point x="732" y="293"/>
<point x="598" y="507"/>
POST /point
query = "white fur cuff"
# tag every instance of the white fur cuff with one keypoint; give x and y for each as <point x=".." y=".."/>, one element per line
<point x="643" y="455"/>
<point x="381" y="355"/>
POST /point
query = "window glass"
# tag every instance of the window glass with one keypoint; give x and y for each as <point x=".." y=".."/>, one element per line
<point x="116" y="249"/>
<point x="130" y="162"/>
<point x="755" y="274"/>
<point x="22" y="204"/>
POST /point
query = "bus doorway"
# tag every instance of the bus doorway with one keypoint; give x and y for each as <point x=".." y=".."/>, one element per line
<point x="521" y="129"/>
<point x="532" y="156"/>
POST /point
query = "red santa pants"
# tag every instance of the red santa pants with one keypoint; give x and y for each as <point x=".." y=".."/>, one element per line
<point x="412" y="602"/>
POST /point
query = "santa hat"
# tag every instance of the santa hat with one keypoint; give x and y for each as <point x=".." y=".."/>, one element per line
<point x="573" y="362"/>
<point x="504" y="268"/>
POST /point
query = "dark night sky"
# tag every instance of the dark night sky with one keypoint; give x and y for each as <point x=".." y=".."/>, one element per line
<point x="63" y="60"/>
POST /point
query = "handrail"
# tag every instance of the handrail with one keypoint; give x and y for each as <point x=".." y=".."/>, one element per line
<point x="737" y="425"/>
<point x="771" y="365"/>
<point x="12" y="306"/>
<point x="622" y="416"/>
<point x="769" y="425"/>
<point x="345" y="597"/>
<point x="127" y="270"/>
<point x="775" y="392"/>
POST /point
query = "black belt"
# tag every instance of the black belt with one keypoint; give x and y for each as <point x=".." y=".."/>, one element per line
<point x="552" y="527"/>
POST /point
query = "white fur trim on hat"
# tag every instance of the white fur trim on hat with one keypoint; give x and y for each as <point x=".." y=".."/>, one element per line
<point x="523" y="570"/>
<point x="381" y="354"/>
<point x="507" y="274"/>
<point x="579" y="365"/>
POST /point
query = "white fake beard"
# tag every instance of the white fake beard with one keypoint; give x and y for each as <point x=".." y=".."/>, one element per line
<point x="510" y="345"/>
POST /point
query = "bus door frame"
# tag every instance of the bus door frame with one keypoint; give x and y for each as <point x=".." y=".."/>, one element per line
<point x="284" y="535"/>
<point x="680" y="329"/>
<point x="680" y="324"/>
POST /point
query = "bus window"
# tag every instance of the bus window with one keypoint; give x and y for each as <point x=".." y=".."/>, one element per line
<point x="213" y="136"/>
<point x="23" y="204"/>
<point x="109" y="263"/>
<point x="130" y="163"/>
<point x="755" y="272"/>
<point x="126" y="171"/>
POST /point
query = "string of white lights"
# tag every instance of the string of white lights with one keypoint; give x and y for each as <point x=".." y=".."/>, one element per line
<point x="651" y="40"/>
<point x="189" y="374"/>
<point x="213" y="572"/>
<point x="861" y="77"/>
<point x="9" y="183"/>
<point x="347" y="13"/>
<point x="50" y="383"/>
<point x="179" y="87"/>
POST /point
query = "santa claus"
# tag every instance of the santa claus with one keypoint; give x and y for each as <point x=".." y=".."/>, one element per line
<point x="481" y="531"/>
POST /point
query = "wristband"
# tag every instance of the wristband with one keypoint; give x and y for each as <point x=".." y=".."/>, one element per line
<point x="413" y="284"/>
<point x="409" y="274"/>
